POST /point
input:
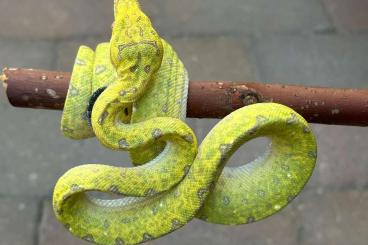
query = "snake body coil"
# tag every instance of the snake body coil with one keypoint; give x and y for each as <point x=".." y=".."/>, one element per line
<point x="142" y="111"/>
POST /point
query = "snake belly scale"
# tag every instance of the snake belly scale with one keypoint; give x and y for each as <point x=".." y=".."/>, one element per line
<point x="142" y="110"/>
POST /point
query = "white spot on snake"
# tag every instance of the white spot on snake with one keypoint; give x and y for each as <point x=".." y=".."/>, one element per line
<point x="80" y="62"/>
<point x="114" y="189"/>
<point x="103" y="117"/>
<point x="188" y="138"/>
<point x="157" y="133"/>
<point x="261" y="193"/>
<point x="88" y="238"/>
<point x="154" y="210"/>
<point x="75" y="188"/>
<point x="175" y="224"/>
<point x="226" y="200"/>
<point x="122" y="92"/>
<point x="123" y="144"/>
<point x="176" y="193"/>
<point x="261" y="119"/>
<point x="99" y="69"/>
<point x="150" y="192"/>
<point x="147" y="237"/>
<point x="202" y="193"/>
<point x="44" y="77"/>
<point x="306" y="130"/>
<point x="67" y="130"/>
<point x="292" y="119"/>
<point x="73" y="91"/>
<point x="164" y="108"/>
<point x="225" y="148"/>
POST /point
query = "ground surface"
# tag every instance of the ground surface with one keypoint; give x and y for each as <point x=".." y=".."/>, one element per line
<point x="311" y="42"/>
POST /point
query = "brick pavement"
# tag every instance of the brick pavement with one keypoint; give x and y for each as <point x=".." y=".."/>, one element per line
<point x="314" y="42"/>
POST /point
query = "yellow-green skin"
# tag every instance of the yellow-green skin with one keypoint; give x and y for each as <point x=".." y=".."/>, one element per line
<point x="142" y="111"/>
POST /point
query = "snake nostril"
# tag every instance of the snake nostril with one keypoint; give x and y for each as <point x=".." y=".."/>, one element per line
<point x="126" y="111"/>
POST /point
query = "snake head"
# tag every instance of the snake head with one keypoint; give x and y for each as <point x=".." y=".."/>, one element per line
<point x="136" y="49"/>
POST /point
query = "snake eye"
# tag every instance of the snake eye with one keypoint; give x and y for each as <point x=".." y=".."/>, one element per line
<point x="134" y="68"/>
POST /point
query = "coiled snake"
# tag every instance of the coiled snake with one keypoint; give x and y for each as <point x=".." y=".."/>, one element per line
<point x="131" y="94"/>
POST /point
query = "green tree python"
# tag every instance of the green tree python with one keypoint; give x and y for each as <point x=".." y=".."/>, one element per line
<point x="131" y="94"/>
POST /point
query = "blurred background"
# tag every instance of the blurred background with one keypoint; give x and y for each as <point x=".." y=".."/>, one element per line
<point x="309" y="42"/>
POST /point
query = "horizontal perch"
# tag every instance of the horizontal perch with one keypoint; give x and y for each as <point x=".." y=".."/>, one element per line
<point x="207" y="99"/>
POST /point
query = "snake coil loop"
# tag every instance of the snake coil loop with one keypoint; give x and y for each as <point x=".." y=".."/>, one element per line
<point x="141" y="110"/>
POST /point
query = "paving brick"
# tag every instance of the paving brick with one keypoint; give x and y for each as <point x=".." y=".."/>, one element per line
<point x="176" y="17"/>
<point x="18" y="221"/>
<point x="342" y="158"/>
<point x="216" y="58"/>
<point x="334" y="61"/>
<point x="278" y="229"/>
<point x="27" y="54"/>
<point x="53" y="232"/>
<point x="34" y="154"/>
<point x="334" y="218"/>
<point x="51" y="19"/>
<point x="348" y="16"/>
<point x="67" y="50"/>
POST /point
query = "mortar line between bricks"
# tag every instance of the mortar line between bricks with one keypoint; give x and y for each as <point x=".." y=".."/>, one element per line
<point x="55" y="55"/>
<point x="190" y="35"/>
<point x="254" y="57"/>
<point x="257" y="59"/>
<point x="25" y="197"/>
<point x="38" y="219"/>
<point x="328" y="16"/>
<point x="299" y="235"/>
